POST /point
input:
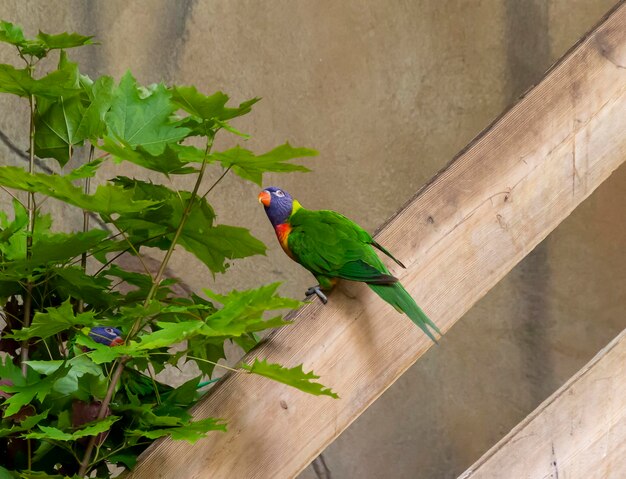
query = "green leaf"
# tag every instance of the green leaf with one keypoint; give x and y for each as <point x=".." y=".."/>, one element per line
<point x="251" y="167"/>
<point x="10" y="371"/>
<point x="54" y="321"/>
<point x="26" y="393"/>
<point x="210" y="350"/>
<point x="213" y="245"/>
<point x="19" y="82"/>
<point x="26" y="424"/>
<point x="64" y="40"/>
<point x="243" y="311"/>
<point x="6" y="474"/>
<point x="208" y="107"/>
<point x="189" y="432"/>
<point x="83" y="380"/>
<point x="127" y="458"/>
<point x="185" y="394"/>
<point x="170" y="333"/>
<point x="87" y="170"/>
<point x="12" y="34"/>
<point x="72" y="282"/>
<point x="168" y="162"/>
<point x="61" y="247"/>
<point x="143" y="118"/>
<point x="107" y="200"/>
<point x="55" y="434"/>
<point x="294" y="377"/>
<point x="100" y="353"/>
<point x="66" y="122"/>
<point x="100" y="94"/>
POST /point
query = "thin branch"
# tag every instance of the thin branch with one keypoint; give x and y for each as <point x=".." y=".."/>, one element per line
<point x="28" y="297"/>
<point x="133" y="249"/>
<point x="219" y="365"/>
<point x="13" y="196"/>
<point x="139" y="243"/>
<point x="83" y="256"/>
<point x="217" y="181"/>
<point x="101" y="413"/>
<point x="181" y="225"/>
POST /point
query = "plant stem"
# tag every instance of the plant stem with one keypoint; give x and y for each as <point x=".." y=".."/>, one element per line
<point x="83" y="259"/>
<point x="101" y="413"/>
<point x="153" y="290"/>
<point x="28" y="296"/>
<point x="159" y="276"/>
<point x="83" y="256"/>
<point x="217" y="181"/>
<point x="181" y="225"/>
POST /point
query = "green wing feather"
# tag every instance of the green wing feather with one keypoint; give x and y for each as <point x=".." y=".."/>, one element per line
<point x="399" y="298"/>
<point x="331" y="246"/>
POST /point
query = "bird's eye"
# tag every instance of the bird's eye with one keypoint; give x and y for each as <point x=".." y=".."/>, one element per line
<point x="279" y="193"/>
<point x="109" y="330"/>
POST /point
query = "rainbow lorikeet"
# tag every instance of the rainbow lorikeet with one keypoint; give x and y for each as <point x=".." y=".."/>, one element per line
<point x="331" y="246"/>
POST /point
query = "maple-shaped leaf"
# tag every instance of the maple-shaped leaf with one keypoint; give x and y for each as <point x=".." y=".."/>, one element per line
<point x="213" y="245"/>
<point x="11" y="372"/>
<point x="170" y="161"/>
<point x="168" y="334"/>
<point x="295" y="377"/>
<point x="19" y="82"/>
<point x="100" y="353"/>
<point x="87" y="170"/>
<point x="12" y="34"/>
<point x="73" y="282"/>
<point x="190" y="432"/>
<point x="108" y="199"/>
<point x="143" y="117"/>
<point x="55" y="434"/>
<point x="43" y="43"/>
<point x="243" y="311"/>
<point x="61" y="247"/>
<point x="53" y="321"/>
<point x="65" y="122"/>
<point x="83" y="379"/>
<point x="251" y="167"/>
<point x="25" y="394"/>
<point x="63" y="41"/>
<point x="211" y="107"/>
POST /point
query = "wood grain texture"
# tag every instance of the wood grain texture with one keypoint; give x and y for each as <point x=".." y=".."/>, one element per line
<point x="458" y="236"/>
<point x="579" y="432"/>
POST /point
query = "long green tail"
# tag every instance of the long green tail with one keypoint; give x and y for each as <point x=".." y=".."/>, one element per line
<point x="399" y="298"/>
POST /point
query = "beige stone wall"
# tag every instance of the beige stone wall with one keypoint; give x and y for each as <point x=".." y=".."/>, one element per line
<point x="388" y="92"/>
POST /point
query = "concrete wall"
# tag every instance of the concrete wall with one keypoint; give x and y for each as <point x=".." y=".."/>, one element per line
<point x="387" y="92"/>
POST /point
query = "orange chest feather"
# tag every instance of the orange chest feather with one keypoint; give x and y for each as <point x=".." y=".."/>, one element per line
<point x="282" y="233"/>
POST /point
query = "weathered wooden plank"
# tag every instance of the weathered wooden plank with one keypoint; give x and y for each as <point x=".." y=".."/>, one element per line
<point x="460" y="235"/>
<point x="578" y="432"/>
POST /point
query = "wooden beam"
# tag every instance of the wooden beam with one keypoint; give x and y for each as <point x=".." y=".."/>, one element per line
<point x="459" y="236"/>
<point x="578" y="432"/>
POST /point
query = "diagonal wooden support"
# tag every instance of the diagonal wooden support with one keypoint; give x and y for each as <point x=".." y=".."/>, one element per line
<point x="459" y="236"/>
<point x="579" y="432"/>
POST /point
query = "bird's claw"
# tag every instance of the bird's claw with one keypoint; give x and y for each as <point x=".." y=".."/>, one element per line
<point x="317" y="291"/>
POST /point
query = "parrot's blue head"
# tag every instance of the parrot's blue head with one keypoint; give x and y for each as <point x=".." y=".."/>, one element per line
<point x="278" y="204"/>
<point x="107" y="336"/>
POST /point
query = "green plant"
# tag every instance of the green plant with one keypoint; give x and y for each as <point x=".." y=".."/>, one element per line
<point x="71" y="403"/>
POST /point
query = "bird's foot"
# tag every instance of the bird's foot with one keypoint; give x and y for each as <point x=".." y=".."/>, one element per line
<point x="317" y="291"/>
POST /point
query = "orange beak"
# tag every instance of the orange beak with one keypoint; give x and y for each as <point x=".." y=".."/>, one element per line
<point x="265" y="198"/>
<point x="117" y="342"/>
